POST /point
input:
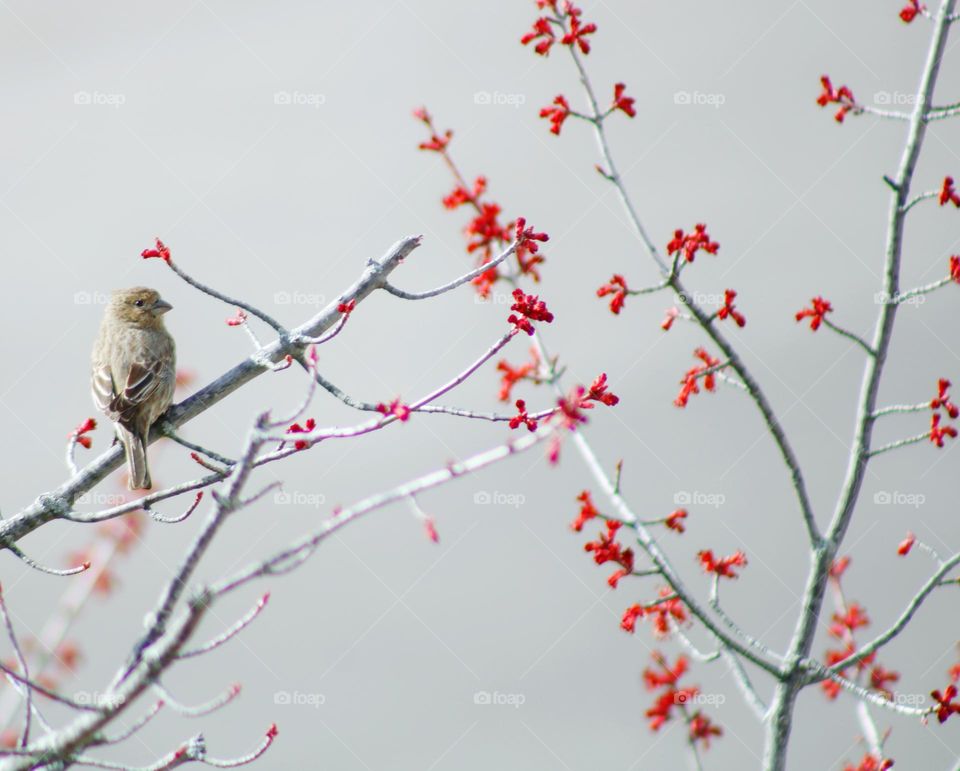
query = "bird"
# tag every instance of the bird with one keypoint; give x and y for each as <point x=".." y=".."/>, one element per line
<point x="134" y="372"/>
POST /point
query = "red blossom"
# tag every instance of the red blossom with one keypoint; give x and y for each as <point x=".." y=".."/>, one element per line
<point x="397" y="408"/>
<point x="903" y="549"/>
<point x="955" y="268"/>
<point x="723" y="566"/>
<point x="880" y="677"/>
<point x="948" y="193"/>
<point x="628" y="623"/>
<point x="667" y="609"/>
<point x="160" y="250"/>
<point x="606" y="549"/>
<point x="854" y="618"/>
<point x="665" y="675"/>
<point x="839" y="567"/>
<point x="437" y="143"/>
<point x="937" y="433"/>
<point x="672" y="314"/>
<point x="702" y="729"/>
<point x="617" y="286"/>
<point x="461" y="195"/>
<point x="529" y="308"/>
<point x="79" y="433"/>
<point x="694" y="374"/>
<point x="347" y="308"/>
<point x="598" y="392"/>
<point x="621" y="102"/>
<point x="485" y="281"/>
<point x="543" y="33"/>
<point x="870" y="762"/>
<point x="842" y="96"/>
<point x="728" y="309"/>
<point x="557" y="114"/>
<point x="485" y="229"/>
<point x="911" y="10"/>
<point x="675" y="520"/>
<point x="818" y="309"/>
<point x="587" y="511"/>
<point x="691" y="243"/>
<point x="945" y="704"/>
<point x="526" y="238"/>
<point x="239" y="319"/>
<point x="522" y="418"/>
<point x="513" y="375"/>
<point x="942" y="399"/>
<point x="578" y="32"/>
<point x="296" y="428"/>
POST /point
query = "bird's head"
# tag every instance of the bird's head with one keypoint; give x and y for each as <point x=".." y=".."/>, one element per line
<point x="139" y="305"/>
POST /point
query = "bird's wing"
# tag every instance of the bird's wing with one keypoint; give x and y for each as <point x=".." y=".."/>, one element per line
<point x="101" y="386"/>
<point x="144" y="380"/>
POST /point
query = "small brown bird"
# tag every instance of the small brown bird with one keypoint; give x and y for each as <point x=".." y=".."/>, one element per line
<point x="134" y="372"/>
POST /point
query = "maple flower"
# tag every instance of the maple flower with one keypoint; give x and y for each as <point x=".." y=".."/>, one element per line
<point x="79" y="433"/>
<point x="903" y="549"/>
<point x="628" y="623"/>
<point x="672" y="314"/>
<point x="529" y="308"/>
<point x="437" y="143"/>
<point x="938" y="434"/>
<point x="402" y="411"/>
<point x="557" y="114"/>
<point x="945" y="704"/>
<point x="606" y="549"/>
<point x="691" y="243"/>
<point x="617" y="286"/>
<point x="854" y="618"/>
<point x="690" y="380"/>
<point x="577" y="33"/>
<point x="485" y="229"/>
<point x="729" y="310"/>
<point x="879" y="677"/>
<point x="526" y="238"/>
<point x="818" y="309"/>
<point x="665" y="675"/>
<point x="160" y="250"/>
<point x="911" y="10"/>
<point x="955" y="268"/>
<point x="870" y="762"/>
<point x="675" y="520"/>
<point x="664" y="611"/>
<point x="702" y="729"/>
<point x="842" y="96"/>
<point x="461" y="195"/>
<point x="598" y="392"/>
<point x="724" y="566"/>
<point x="522" y="418"/>
<point x="587" y="511"/>
<point x="238" y="320"/>
<point x="513" y="375"/>
<point x="942" y="399"/>
<point x="543" y="33"/>
<point x="948" y="193"/>
<point x="347" y="308"/>
<point x="485" y="281"/>
<point x="621" y="102"/>
<point x="306" y="428"/>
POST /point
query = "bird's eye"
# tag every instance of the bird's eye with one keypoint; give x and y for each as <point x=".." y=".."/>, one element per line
<point x="139" y="303"/>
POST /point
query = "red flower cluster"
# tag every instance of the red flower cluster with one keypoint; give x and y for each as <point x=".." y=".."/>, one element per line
<point x="522" y="418"/>
<point x="668" y="608"/>
<point x="945" y="703"/>
<point x="461" y="195"/>
<point x="599" y="392"/>
<point x="724" y="566"/>
<point x="160" y="250"/>
<point x="557" y="114"/>
<point x="911" y="10"/>
<point x="526" y="238"/>
<point x="667" y="680"/>
<point x="691" y="243"/>
<point x="238" y="320"/>
<point x="606" y="549"/>
<point x="938" y="433"/>
<point x="842" y="96"/>
<point x="675" y="520"/>
<point x="347" y="308"/>
<point x="396" y="407"/>
<point x="296" y="428"/>
<point x="816" y="312"/>
<point x="485" y="229"/>
<point x="955" y="268"/>
<point x="577" y="33"/>
<point x="854" y="618"/>
<point x="587" y="511"/>
<point x="870" y="762"/>
<point x="79" y="433"/>
<point x="437" y="142"/>
<point x="948" y="193"/>
<point x="689" y="383"/>
<point x="513" y="375"/>
<point x="622" y="102"/>
<point x="728" y="310"/>
<point x="617" y="286"/>
<point x="529" y="308"/>
<point x="543" y="33"/>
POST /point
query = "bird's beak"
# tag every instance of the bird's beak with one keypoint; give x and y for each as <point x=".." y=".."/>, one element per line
<point x="160" y="307"/>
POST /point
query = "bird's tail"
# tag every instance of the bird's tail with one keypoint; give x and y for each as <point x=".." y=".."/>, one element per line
<point x="136" y="451"/>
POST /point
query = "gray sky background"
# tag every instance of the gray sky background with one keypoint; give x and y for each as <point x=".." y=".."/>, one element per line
<point x="282" y="204"/>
